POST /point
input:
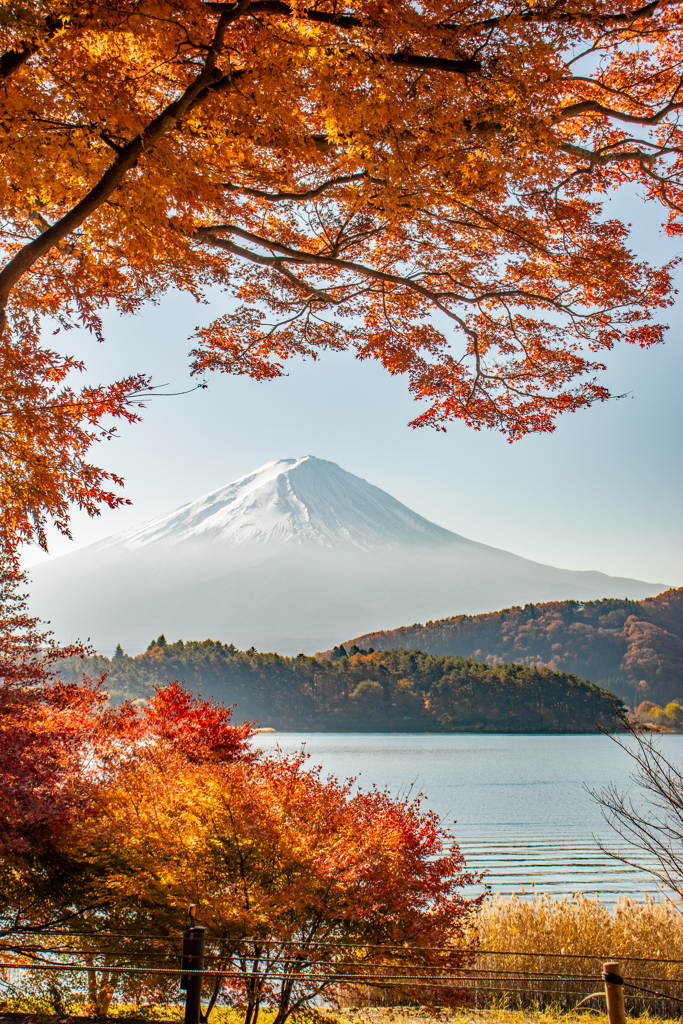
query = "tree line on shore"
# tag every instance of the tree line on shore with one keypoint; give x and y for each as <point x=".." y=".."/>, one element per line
<point x="361" y="690"/>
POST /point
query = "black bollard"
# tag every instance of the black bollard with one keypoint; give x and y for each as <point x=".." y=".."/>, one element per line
<point x="194" y="944"/>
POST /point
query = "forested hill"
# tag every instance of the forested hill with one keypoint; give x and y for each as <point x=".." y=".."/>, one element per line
<point x="634" y="648"/>
<point x="393" y="690"/>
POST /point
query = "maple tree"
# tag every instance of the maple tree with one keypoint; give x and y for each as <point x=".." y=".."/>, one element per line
<point x="56" y="737"/>
<point x="302" y="882"/>
<point x="46" y="430"/>
<point x="45" y="723"/>
<point x="48" y="728"/>
<point x="417" y="183"/>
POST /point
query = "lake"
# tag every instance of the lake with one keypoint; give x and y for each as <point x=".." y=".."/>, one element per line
<point x="521" y="802"/>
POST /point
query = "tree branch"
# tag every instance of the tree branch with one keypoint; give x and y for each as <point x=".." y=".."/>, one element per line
<point x="12" y="60"/>
<point x="618" y="156"/>
<point x="274" y="263"/>
<point x="550" y="15"/>
<point x="210" y="80"/>
<point x="467" y="66"/>
<point x="285" y="10"/>
<point x="210" y="234"/>
<point x="592" y="106"/>
<point x="281" y="197"/>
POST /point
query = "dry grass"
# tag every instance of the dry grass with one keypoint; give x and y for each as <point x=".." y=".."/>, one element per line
<point x="430" y="1015"/>
<point x="572" y="938"/>
<point x="566" y="942"/>
<point x="581" y="925"/>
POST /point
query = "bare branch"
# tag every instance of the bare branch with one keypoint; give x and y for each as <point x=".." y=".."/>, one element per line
<point x="653" y="825"/>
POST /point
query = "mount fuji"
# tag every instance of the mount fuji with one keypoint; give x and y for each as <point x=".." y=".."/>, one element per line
<point x="292" y="557"/>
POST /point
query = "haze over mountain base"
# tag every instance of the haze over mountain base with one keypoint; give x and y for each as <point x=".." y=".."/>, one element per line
<point x="293" y="557"/>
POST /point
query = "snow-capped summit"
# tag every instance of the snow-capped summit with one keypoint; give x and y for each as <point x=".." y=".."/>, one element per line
<point x="292" y="557"/>
<point x="292" y="501"/>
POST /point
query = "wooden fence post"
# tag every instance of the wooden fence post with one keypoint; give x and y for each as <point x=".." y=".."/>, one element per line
<point x="614" y="992"/>
<point x="194" y="944"/>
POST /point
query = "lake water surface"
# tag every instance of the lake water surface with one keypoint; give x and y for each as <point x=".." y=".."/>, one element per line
<point x="520" y="802"/>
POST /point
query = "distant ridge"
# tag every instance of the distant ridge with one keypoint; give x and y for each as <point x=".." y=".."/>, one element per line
<point x="290" y="558"/>
<point x="634" y="648"/>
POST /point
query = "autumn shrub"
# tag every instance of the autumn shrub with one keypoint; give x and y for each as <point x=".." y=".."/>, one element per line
<point x="655" y="717"/>
<point x="298" y="878"/>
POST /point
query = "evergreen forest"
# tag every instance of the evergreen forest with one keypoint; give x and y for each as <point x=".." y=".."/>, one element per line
<point x="397" y="690"/>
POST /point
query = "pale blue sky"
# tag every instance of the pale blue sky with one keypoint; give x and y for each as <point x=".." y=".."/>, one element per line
<point x="603" y="492"/>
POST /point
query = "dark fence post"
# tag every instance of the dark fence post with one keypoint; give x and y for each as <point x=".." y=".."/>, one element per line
<point x="194" y="945"/>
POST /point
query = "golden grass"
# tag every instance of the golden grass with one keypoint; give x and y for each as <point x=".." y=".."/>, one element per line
<point x="429" y="1015"/>
<point x="573" y="937"/>
<point x="566" y="942"/>
<point x="581" y="925"/>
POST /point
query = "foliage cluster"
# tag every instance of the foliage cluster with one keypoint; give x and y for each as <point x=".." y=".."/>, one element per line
<point x="420" y="185"/>
<point x="634" y="648"/>
<point x="652" y="716"/>
<point x="391" y="690"/>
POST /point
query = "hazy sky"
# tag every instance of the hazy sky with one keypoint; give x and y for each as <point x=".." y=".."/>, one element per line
<point x="605" y="491"/>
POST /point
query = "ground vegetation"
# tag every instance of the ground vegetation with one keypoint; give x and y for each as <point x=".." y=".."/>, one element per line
<point x="571" y="937"/>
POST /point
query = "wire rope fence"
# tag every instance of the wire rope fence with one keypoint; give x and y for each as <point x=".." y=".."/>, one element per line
<point x="214" y="970"/>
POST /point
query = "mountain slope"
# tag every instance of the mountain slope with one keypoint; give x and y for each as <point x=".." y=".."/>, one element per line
<point x="289" y="558"/>
<point x="293" y="501"/>
<point x="634" y="648"/>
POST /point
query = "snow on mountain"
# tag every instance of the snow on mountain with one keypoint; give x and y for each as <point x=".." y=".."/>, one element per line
<point x="293" y="501"/>
<point x="292" y="557"/>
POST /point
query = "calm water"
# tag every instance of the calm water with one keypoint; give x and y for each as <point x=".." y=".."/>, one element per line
<point x="520" y="802"/>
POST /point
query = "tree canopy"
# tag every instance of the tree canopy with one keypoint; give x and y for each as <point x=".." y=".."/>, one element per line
<point x="419" y="184"/>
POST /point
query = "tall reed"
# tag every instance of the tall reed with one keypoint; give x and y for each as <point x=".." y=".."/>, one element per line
<point x="569" y="940"/>
<point x="566" y="942"/>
